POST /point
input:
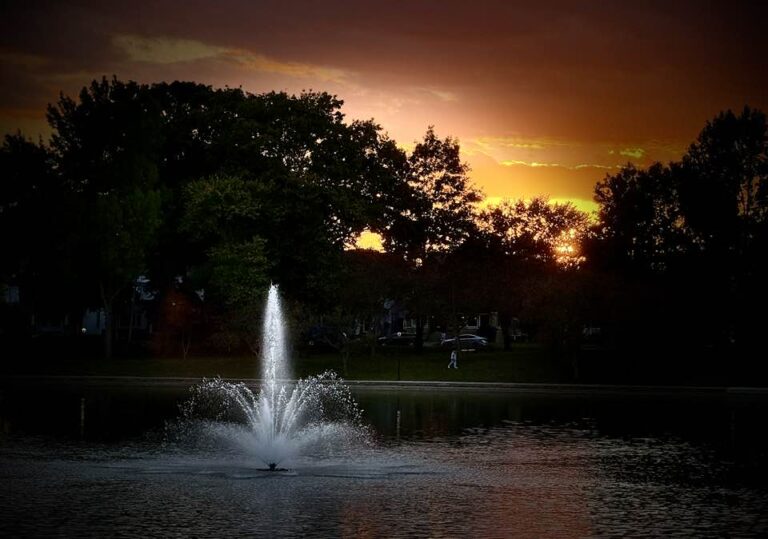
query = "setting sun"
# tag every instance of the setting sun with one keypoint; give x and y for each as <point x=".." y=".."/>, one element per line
<point x="567" y="248"/>
<point x="369" y="240"/>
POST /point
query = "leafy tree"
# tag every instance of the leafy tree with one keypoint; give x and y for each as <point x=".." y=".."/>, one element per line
<point x="438" y="212"/>
<point x="694" y="233"/>
<point x="436" y="215"/>
<point x="222" y="219"/>
<point x="317" y="181"/>
<point x="537" y="231"/>
<point x="34" y="225"/>
<point x="221" y="208"/>
<point x="640" y="221"/>
<point x="724" y="192"/>
<point x="314" y="181"/>
<point x="105" y="148"/>
<point x="724" y="198"/>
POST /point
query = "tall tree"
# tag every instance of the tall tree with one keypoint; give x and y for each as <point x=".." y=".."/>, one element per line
<point x="640" y="223"/>
<point x="724" y="192"/>
<point x="34" y="226"/>
<point x="438" y="212"/>
<point x="222" y="219"/>
<point x="320" y="180"/>
<point x="436" y="215"/>
<point x="724" y="198"/>
<point x="106" y="148"/>
<point x="694" y="232"/>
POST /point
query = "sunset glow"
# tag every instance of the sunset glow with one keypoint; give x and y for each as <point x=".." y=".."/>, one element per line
<point x="567" y="249"/>
<point x="369" y="240"/>
<point x="544" y="99"/>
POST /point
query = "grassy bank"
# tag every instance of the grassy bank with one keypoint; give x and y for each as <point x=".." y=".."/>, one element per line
<point x="524" y="363"/>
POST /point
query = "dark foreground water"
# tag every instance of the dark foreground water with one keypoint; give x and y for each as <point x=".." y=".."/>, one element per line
<point x="93" y="460"/>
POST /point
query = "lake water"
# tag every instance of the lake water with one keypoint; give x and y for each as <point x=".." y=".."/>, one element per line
<point x="457" y="463"/>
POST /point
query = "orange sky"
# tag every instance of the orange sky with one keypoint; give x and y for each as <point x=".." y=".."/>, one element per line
<point x="544" y="97"/>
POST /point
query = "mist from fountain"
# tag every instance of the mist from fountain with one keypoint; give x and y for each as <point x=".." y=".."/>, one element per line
<point x="283" y="419"/>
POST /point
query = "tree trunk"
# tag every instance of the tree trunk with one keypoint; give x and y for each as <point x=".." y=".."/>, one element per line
<point x="186" y="342"/>
<point x="419" y="340"/>
<point x="107" y="300"/>
<point x="130" y="317"/>
<point x="457" y="333"/>
<point x="107" y="331"/>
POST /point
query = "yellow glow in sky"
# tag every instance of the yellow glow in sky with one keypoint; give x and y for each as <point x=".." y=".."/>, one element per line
<point x="579" y="101"/>
<point x="587" y="206"/>
<point x="369" y="240"/>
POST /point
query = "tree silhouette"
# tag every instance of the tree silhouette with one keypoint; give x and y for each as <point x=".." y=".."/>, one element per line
<point x="35" y="229"/>
<point x="724" y="198"/>
<point x="724" y="191"/>
<point x="693" y="234"/>
<point x="537" y="231"/>
<point x="641" y="225"/>
<point x="437" y="213"/>
<point x="226" y="190"/>
<point x="106" y="150"/>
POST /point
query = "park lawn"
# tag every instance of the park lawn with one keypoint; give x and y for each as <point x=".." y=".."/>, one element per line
<point x="523" y="363"/>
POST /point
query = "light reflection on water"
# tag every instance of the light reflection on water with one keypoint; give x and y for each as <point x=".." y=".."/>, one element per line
<point x="461" y="464"/>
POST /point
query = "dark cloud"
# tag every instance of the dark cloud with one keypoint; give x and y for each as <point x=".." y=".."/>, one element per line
<point x="596" y="72"/>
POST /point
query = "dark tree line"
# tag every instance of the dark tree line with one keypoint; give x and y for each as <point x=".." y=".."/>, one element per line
<point x="689" y="238"/>
<point x="210" y="189"/>
<point x="210" y="194"/>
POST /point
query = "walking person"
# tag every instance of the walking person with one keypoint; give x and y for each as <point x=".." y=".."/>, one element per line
<point x="454" y="358"/>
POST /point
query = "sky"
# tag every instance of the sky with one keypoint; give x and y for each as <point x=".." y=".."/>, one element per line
<point x="545" y="97"/>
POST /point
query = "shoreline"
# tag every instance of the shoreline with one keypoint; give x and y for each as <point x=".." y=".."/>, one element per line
<point x="10" y="381"/>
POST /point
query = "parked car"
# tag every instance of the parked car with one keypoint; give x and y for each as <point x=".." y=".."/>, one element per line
<point x="466" y="342"/>
<point x="398" y="339"/>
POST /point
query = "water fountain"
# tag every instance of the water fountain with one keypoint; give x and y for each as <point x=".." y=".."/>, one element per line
<point x="283" y="419"/>
<point x="467" y="463"/>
